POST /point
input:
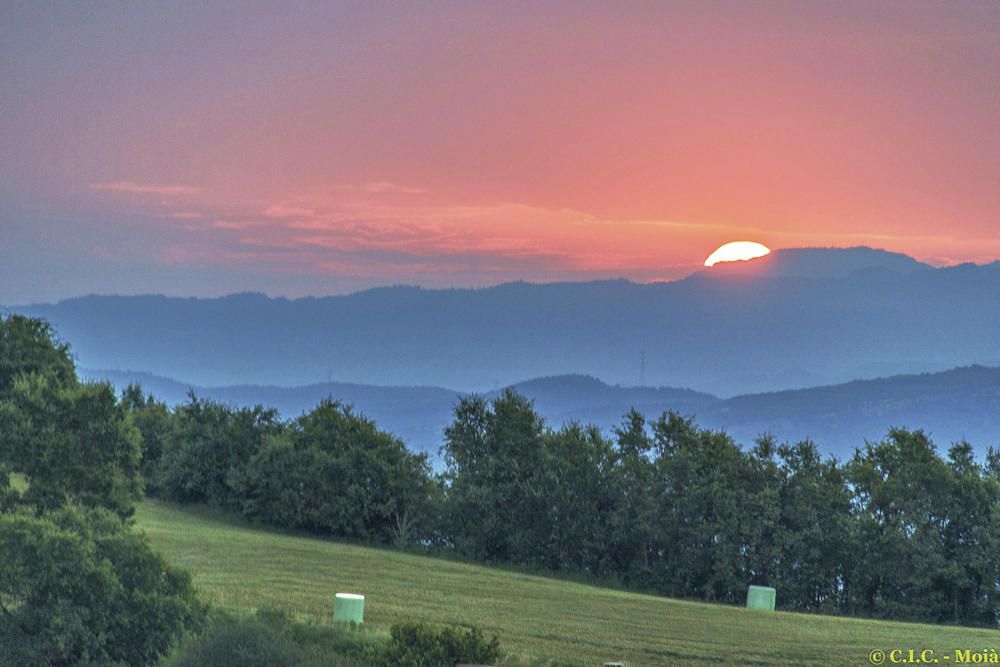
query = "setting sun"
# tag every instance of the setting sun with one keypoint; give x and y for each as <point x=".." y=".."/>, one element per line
<point x="737" y="251"/>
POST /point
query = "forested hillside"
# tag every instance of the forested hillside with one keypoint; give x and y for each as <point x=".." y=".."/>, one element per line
<point x="963" y="403"/>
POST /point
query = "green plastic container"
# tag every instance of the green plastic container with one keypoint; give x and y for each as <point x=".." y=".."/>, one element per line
<point x="349" y="608"/>
<point x="761" y="597"/>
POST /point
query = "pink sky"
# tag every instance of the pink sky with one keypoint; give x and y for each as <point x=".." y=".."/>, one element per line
<point x="299" y="149"/>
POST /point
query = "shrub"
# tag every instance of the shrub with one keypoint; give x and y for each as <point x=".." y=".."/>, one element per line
<point x="207" y="447"/>
<point x="270" y="639"/>
<point x="77" y="588"/>
<point x="421" y="645"/>
<point x="239" y="643"/>
<point x="73" y="443"/>
<point x="335" y="472"/>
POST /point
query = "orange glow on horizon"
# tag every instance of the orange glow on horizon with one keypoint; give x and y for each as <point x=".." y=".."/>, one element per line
<point x="330" y="149"/>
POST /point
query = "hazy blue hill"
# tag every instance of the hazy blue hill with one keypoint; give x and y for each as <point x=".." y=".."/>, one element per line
<point x="963" y="403"/>
<point x="417" y="414"/>
<point x="818" y="263"/>
<point x="588" y="400"/>
<point x="956" y="404"/>
<point x="858" y="313"/>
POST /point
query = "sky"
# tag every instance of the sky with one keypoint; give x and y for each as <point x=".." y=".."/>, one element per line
<point x="199" y="149"/>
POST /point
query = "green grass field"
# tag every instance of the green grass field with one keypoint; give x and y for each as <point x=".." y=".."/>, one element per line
<point x="243" y="568"/>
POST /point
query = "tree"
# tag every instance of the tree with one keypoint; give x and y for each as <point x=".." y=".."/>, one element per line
<point x="817" y="532"/>
<point x="718" y="507"/>
<point x="579" y="495"/>
<point x="634" y="522"/>
<point x="152" y="418"/>
<point x="334" y="472"/>
<point x="901" y="496"/>
<point x="77" y="588"/>
<point x="494" y="458"/>
<point x="72" y="442"/>
<point x="971" y="540"/>
<point x="29" y="346"/>
<point x="208" y="447"/>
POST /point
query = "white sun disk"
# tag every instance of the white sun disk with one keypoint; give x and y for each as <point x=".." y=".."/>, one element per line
<point x="737" y="251"/>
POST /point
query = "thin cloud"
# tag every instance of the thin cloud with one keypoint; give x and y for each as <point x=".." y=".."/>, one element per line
<point x="143" y="188"/>
<point x="239" y="224"/>
<point x="283" y="211"/>
<point x="385" y="186"/>
<point x="381" y="187"/>
<point x="353" y="231"/>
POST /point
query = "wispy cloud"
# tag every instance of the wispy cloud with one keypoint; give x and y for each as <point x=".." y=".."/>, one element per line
<point x="385" y="186"/>
<point x="287" y="211"/>
<point x="143" y="188"/>
<point x="240" y="224"/>
<point x="376" y="231"/>
<point x="381" y="187"/>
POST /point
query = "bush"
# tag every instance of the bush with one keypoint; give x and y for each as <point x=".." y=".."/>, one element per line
<point x="421" y="645"/>
<point x="207" y="447"/>
<point x="77" y="588"/>
<point x="271" y="639"/>
<point x="239" y="643"/>
<point x="73" y="443"/>
<point x="335" y="472"/>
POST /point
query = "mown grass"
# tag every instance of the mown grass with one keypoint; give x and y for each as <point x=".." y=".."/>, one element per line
<point x="18" y="482"/>
<point x="242" y="568"/>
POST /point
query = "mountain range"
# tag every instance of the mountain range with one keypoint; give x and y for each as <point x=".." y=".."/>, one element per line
<point x="790" y="320"/>
<point x="963" y="403"/>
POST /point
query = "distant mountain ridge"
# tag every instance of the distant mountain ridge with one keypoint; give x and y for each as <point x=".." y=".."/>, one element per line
<point x="963" y="403"/>
<point x="793" y="319"/>
<point x="820" y="263"/>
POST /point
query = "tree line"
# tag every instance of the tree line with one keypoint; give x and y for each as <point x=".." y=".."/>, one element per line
<point x="660" y="505"/>
<point x="895" y="532"/>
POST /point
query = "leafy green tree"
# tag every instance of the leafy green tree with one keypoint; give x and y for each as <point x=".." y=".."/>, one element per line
<point x="334" y="472"/>
<point x="495" y="496"/>
<point x="207" y="448"/>
<point x="634" y="525"/>
<point x="579" y="495"/>
<point x="759" y="520"/>
<point x="72" y="442"/>
<point x="522" y="492"/>
<point x="29" y="346"/>
<point x="817" y="532"/>
<point x="718" y="506"/>
<point x="77" y="588"/>
<point x="971" y="540"/>
<point x="152" y="418"/>
<point x="902" y="490"/>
